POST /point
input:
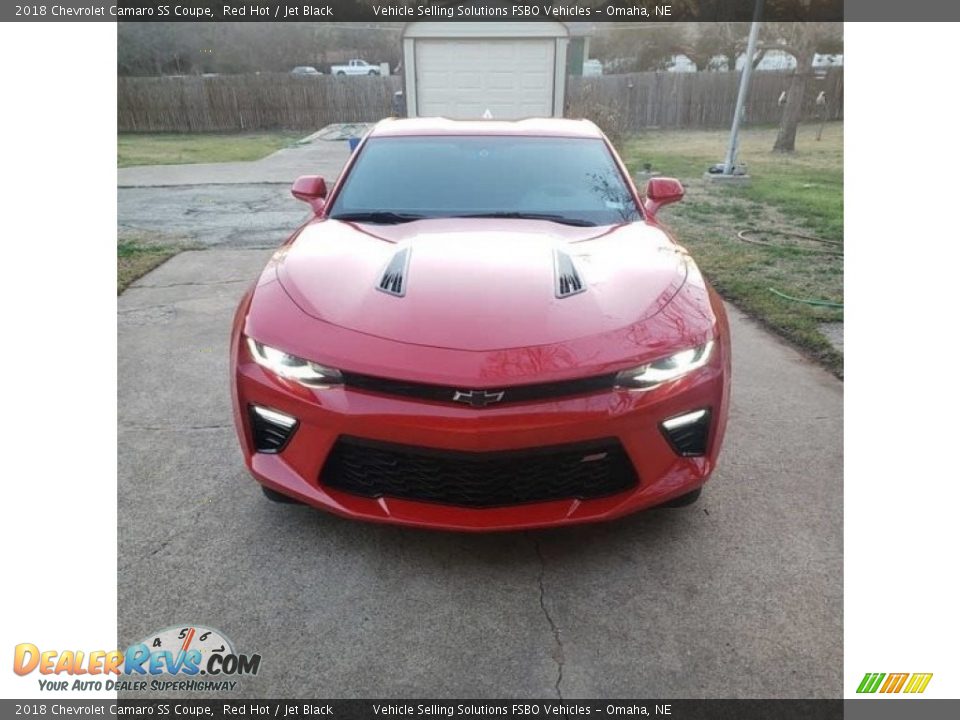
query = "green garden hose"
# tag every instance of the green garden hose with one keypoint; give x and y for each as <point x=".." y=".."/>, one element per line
<point x="818" y="303"/>
<point x="786" y="233"/>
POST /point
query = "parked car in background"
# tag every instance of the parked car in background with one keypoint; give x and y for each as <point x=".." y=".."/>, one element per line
<point x="305" y="71"/>
<point x="355" y="67"/>
<point x="592" y="68"/>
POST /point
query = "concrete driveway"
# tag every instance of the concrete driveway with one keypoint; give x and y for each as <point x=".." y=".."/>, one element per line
<point x="739" y="595"/>
<point x="236" y="203"/>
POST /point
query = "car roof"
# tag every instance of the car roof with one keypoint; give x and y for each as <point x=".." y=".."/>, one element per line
<point x="534" y="127"/>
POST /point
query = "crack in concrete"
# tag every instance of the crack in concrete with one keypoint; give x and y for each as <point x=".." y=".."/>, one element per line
<point x="161" y="546"/>
<point x="174" y="428"/>
<point x="142" y="308"/>
<point x="248" y="183"/>
<point x="558" y="656"/>
<point x="188" y="284"/>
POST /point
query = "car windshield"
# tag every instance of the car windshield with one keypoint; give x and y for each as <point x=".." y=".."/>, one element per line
<point x="568" y="180"/>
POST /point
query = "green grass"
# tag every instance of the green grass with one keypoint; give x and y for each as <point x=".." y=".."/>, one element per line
<point x="180" y="149"/>
<point x="800" y="192"/>
<point x="139" y="253"/>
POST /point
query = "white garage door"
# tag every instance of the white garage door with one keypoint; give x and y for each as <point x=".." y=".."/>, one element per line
<point x="464" y="78"/>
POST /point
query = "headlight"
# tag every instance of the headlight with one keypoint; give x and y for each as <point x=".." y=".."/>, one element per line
<point x="649" y="376"/>
<point x="290" y="366"/>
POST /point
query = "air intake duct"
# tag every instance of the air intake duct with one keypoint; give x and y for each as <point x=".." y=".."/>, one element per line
<point x="688" y="433"/>
<point x="394" y="278"/>
<point x="567" y="278"/>
<point x="272" y="430"/>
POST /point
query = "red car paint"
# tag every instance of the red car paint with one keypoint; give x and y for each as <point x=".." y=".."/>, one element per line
<point x="482" y="316"/>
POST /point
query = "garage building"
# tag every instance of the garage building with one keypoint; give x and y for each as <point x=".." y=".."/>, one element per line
<point x="469" y="70"/>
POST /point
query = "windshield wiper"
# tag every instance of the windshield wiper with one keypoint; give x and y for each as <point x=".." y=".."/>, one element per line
<point x="562" y="219"/>
<point x="378" y="217"/>
<point x="384" y="217"/>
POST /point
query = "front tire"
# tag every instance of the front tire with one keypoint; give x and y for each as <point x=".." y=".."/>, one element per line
<point x="373" y="72"/>
<point x="341" y="73"/>
<point x="274" y="496"/>
<point x="689" y="499"/>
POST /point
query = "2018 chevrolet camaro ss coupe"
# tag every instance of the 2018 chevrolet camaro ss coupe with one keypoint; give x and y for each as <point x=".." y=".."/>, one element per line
<point x="482" y="326"/>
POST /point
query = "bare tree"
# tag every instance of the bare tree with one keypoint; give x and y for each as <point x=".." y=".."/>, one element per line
<point x="715" y="45"/>
<point x="707" y="45"/>
<point x="802" y="41"/>
<point x="242" y="47"/>
<point x="635" y="48"/>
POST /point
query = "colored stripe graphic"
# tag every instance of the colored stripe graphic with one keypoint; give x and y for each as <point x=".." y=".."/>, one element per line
<point x="870" y="682"/>
<point x="918" y="682"/>
<point x="894" y="682"/>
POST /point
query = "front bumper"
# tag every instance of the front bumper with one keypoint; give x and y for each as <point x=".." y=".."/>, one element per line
<point x="632" y="418"/>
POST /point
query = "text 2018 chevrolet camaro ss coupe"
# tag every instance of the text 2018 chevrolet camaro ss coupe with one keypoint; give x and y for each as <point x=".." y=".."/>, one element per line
<point x="482" y="327"/>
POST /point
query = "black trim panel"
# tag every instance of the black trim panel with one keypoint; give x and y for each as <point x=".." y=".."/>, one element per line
<point x="512" y="394"/>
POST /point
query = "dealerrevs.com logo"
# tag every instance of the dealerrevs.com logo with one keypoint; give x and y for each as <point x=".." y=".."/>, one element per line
<point x="894" y="683"/>
<point x="179" y="658"/>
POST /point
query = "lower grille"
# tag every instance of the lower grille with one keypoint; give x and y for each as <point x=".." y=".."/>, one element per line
<point x="486" y="479"/>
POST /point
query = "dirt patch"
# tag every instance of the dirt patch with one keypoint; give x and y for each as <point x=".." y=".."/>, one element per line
<point x="834" y="333"/>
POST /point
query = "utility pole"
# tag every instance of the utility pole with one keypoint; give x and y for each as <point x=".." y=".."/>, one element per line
<point x="730" y="161"/>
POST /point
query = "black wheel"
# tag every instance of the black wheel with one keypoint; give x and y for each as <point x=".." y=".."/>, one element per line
<point x="276" y="497"/>
<point x="373" y="72"/>
<point x="689" y="499"/>
<point x="341" y="73"/>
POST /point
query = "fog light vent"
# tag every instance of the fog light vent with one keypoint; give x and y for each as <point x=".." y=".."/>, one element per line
<point x="271" y="429"/>
<point x="688" y="433"/>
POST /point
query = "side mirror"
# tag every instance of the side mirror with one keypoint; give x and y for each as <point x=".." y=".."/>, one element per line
<point x="662" y="191"/>
<point x="312" y="189"/>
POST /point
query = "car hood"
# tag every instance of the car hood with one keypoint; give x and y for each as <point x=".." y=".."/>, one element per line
<point x="482" y="284"/>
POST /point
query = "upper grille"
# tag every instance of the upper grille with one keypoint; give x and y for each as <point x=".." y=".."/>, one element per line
<point x="373" y="469"/>
<point x="513" y="394"/>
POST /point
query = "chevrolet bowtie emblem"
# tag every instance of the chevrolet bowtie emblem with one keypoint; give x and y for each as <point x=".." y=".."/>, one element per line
<point x="478" y="398"/>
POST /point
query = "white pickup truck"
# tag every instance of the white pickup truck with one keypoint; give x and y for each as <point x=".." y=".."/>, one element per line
<point x="355" y="67"/>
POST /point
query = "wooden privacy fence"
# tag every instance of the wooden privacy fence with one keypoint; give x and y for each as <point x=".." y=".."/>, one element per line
<point x="618" y="103"/>
<point x="693" y="100"/>
<point x="249" y="102"/>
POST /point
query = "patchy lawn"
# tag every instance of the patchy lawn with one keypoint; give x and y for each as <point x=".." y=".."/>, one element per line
<point x="183" y="148"/>
<point x="139" y="253"/>
<point x="799" y="193"/>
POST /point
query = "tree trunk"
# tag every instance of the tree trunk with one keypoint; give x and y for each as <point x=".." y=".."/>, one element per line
<point x="790" y="120"/>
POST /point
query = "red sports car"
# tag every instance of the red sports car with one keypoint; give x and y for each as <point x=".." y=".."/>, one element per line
<point x="482" y="327"/>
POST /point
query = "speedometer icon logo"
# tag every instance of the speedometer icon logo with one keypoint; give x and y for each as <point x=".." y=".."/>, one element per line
<point x="188" y="650"/>
<point x="182" y="639"/>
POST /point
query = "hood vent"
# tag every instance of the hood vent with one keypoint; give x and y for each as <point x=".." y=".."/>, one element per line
<point x="394" y="278"/>
<point x="567" y="279"/>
